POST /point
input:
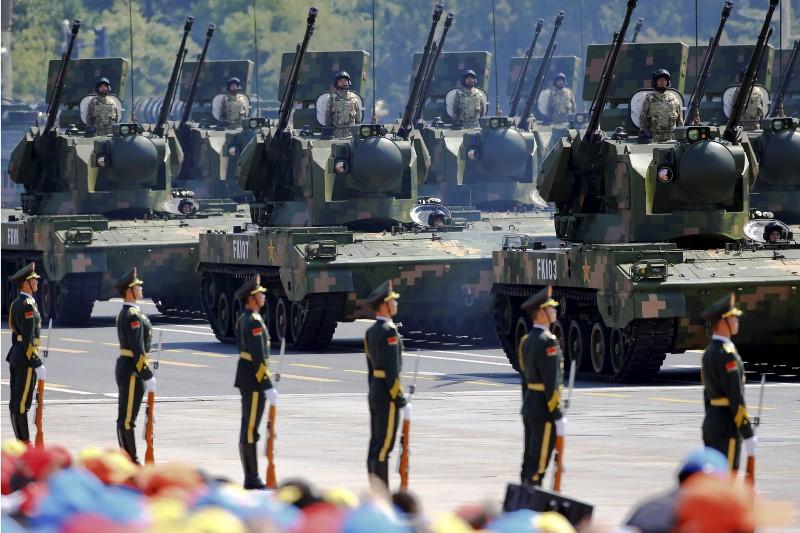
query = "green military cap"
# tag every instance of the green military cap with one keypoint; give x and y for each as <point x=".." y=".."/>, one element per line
<point x="25" y="273"/>
<point x="540" y="300"/>
<point x="250" y="287"/>
<point x="383" y="293"/>
<point x="130" y="279"/>
<point x="722" y="308"/>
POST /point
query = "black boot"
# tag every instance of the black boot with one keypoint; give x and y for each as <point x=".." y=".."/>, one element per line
<point x="247" y="453"/>
<point x="127" y="441"/>
<point x="19" y="423"/>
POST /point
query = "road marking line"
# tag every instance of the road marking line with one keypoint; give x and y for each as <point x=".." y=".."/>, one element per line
<point x="69" y="391"/>
<point x="188" y="332"/>
<point x="483" y="383"/>
<point x="114" y="344"/>
<point x="673" y="400"/>
<point x="308" y="378"/>
<point x="67" y="350"/>
<point x="356" y="371"/>
<point x="607" y="394"/>
<point x="47" y="384"/>
<point x="411" y="375"/>
<point x="178" y="363"/>
<point x="682" y="366"/>
<point x="211" y="354"/>
<point x="304" y="365"/>
<point x="207" y="328"/>
<point x="506" y="365"/>
<point x="503" y="357"/>
<point x="75" y="340"/>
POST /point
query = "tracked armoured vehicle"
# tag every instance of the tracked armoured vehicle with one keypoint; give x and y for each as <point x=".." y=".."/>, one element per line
<point x="652" y="233"/>
<point x="333" y="218"/>
<point x="96" y="205"/>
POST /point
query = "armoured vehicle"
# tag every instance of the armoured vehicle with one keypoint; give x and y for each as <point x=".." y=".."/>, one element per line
<point x="96" y="205"/>
<point x="17" y="117"/>
<point x="333" y="218"/>
<point x="652" y="233"/>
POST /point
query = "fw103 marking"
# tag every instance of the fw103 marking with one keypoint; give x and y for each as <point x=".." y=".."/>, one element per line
<point x="546" y="269"/>
<point x="241" y="248"/>
<point x="12" y="236"/>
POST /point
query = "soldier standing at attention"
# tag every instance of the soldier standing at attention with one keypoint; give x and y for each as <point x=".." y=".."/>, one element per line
<point x="344" y="106"/>
<point x="561" y="103"/>
<point x="234" y="107"/>
<point x="540" y="368"/>
<point x="661" y="111"/>
<point x="726" y="422"/>
<point x="132" y="372"/>
<point x="384" y="349"/>
<point x="23" y="357"/>
<point x="252" y="376"/>
<point x="102" y="113"/>
<point x="470" y="103"/>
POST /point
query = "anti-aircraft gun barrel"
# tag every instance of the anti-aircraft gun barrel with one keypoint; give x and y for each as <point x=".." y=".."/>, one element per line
<point x="605" y="82"/>
<point x="287" y="102"/>
<point x="428" y="79"/>
<point x="538" y="83"/>
<point x="787" y="78"/>
<point x="693" y="114"/>
<point x="166" y="105"/>
<point x="637" y="29"/>
<point x="58" y="86"/>
<point x="732" y="128"/>
<point x="406" y="123"/>
<point x="517" y="92"/>
<point x="187" y="106"/>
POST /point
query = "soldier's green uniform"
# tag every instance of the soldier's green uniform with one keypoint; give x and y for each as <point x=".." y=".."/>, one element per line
<point x="234" y="109"/>
<point x="102" y="114"/>
<point x="469" y="107"/>
<point x="726" y="422"/>
<point x="344" y="111"/>
<point x="560" y="102"/>
<point x="384" y="349"/>
<point x="135" y="334"/>
<point x="23" y="357"/>
<point x="661" y="114"/>
<point x="754" y="111"/>
<point x="252" y="380"/>
<point x="540" y="363"/>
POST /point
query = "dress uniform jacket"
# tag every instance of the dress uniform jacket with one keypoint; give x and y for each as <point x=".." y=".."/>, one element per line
<point x="252" y="372"/>
<point x="135" y="334"/>
<point x="23" y="356"/>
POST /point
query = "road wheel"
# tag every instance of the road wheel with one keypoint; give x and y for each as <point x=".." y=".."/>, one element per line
<point x="225" y="314"/>
<point x="618" y="350"/>
<point x="46" y="300"/>
<point x="208" y="292"/>
<point x="282" y="320"/>
<point x="598" y="347"/>
<point x="578" y="343"/>
<point x="73" y="299"/>
<point x="302" y="337"/>
<point x="520" y="330"/>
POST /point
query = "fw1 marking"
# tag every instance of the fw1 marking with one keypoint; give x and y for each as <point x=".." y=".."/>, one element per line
<point x="546" y="269"/>
<point x="241" y="248"/>
<point x="12" y="236"/>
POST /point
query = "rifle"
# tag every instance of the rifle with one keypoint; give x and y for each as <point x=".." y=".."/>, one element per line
<point x="58" y="85"/>
<point x="637" y="29"/>
<point x="751" y="459"/>
<point x="166" y="104"/>
<point x="406" y="434"/>
<point x="693" y="112"/>
<point x="787" y="78"/>
<point x="406" y="123"/>
<point x="538" y="82"/>
<point x="272" y="478"/>
<point x="187" y="105"/>
<point x="517" y="92"/>
<point x="431" y="71"/>
<point x="149" y="454"/>
<point x="601" y="96"/>
<point x="39" y="442"/>
<point x="560" y="439"/>
<point x="733" y="130"/>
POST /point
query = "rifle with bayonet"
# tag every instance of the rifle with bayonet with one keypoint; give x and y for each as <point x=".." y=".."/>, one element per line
<point x="693" y="112"/>
<point x="407" y="123"/>
<point x="538" y="83"/>
<point x="272" y="478"/>
<point x="406" y="434"/>
<point x="750" y="473"/>
<point x="166" y="104"/>
<point x="733" y="129"/>
<point x="787" y="78"/>
<point x="517" y="92"/>
<point x="39" y="442"/>
<point x="431" y="71"/>
<point x="559" y="459"/>
<point x="149" y="454"/>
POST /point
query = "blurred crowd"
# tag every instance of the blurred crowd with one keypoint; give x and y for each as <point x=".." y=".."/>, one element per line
<point x="48" y="490"/>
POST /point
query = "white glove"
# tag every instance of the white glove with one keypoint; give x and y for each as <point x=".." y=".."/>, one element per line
<point x="41" y="372"/>
<point x="272" y="396"/>
<point x="150" y="385"/>
<point x="561" y="426"/>
<point x="750" y="445"/>
<point x="406" y="411"/>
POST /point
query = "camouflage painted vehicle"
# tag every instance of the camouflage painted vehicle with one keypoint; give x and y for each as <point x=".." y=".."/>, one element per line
<point x="94" y="206"/>
<point x="652" y="234"/>
<point x="16" y="119"/>
<point x="336" y="217"/>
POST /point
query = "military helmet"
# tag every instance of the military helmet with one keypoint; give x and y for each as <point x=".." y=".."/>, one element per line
<point x="560" y="76"/>
<point x="540" y="300"/>
<point x="25" y="273"/>
<point x="661" y="73"/>
<point x="342" y="75"/>
<point x="383" y="293"/>
<point x="723" y="308"/>
<point x="129" y="280"/>
<point x="466" y="73"/>
<point x="774" y="226"/>
<point x="235" y="80"/>
<point x="102" y="81"/>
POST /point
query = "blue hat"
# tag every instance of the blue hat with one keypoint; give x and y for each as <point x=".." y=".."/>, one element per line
<point x="706" y="460"/>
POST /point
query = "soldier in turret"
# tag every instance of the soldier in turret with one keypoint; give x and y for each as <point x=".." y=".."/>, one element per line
<point x="344" y="106"/>
<point x="540" y="368"/>
<point x="234" y="106"/>
<point x="470" y="102"/>
<point x="23" y="357"/>
<point x="726" y="422"/>
<point x="754" y="111"/>
<point x="133" y="374"/>
<point x="102" y="112"/>
<point x="561" y="103"/>
<point x="384" y="349"/>
<point x="661" y="111"/>
<point x="252" y="376"/>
